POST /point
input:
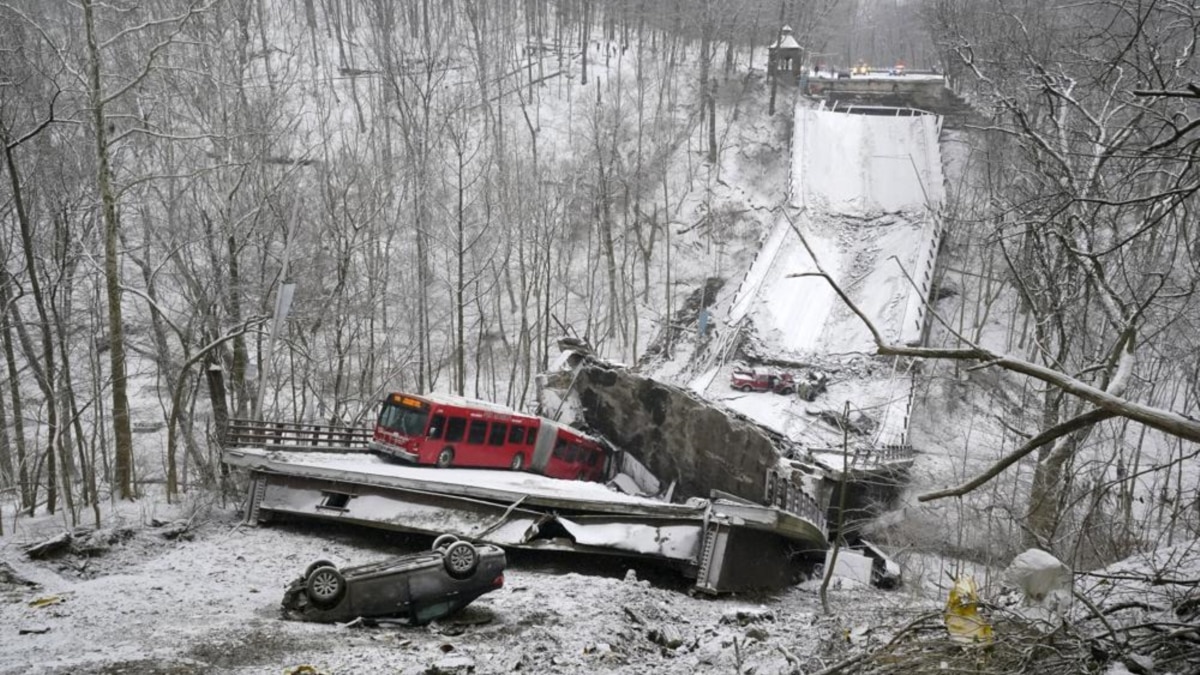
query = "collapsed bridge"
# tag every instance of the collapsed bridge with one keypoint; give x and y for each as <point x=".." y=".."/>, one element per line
<point x="757" y="489"/>
<point x="725" y="543"/>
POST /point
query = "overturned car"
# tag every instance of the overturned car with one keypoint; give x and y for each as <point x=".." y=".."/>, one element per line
<point x="418" y="587"/>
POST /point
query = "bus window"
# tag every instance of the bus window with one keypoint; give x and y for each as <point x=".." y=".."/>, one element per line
<point x="593" y="457"/>
<point x="499" y="432"/>
<point x="516" y="434"/>
<point x="565" y="451"/>
<point x="477" y="432"/>
<point x="403" y="420"/>
<point x="455" y="428"/>
<point x="437" y="426"/>
<point x="531" y="436"/>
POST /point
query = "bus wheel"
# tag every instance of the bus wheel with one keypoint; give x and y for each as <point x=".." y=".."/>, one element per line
<point x="446" y="457"/>
<point x="517" y="463"/>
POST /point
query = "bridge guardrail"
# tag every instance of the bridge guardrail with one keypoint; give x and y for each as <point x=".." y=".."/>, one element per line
<point x="296" y="436"/>
<point x="787" y="495"/>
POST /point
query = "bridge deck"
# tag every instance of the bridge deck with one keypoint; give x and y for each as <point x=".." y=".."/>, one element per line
<point x="530" y="511"/>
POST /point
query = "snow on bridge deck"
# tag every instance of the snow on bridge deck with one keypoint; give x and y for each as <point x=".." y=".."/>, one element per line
<point x="705" y="537"/>
<point x="864" y="190"/>
<point x="502" y="486"/>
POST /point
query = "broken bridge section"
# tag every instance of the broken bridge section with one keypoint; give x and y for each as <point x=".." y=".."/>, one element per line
<point x="706" y="539"/>
<point x="864" y="193"/>
<point x="679" y="437"/>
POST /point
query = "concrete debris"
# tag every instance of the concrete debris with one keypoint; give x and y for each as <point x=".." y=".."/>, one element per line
<point x="633" y="616"/>
<point x="455" y="665"/>
<point x="757" y="633"/>
<point x="602" y="648"/>
<point x="858" y="423"/>
<point x="179" y="529"/>
<point x="859" y="635"/>
<point x="747" y="616"/>
<point x="666" y="636"/>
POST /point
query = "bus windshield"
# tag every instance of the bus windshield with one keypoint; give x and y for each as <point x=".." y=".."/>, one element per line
<point x="403" y="420"/>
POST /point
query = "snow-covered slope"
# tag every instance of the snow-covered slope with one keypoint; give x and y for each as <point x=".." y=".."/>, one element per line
<point x="864" y="190"/>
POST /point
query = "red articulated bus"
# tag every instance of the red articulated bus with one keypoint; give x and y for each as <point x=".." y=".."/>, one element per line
<point x="450" y="431"/>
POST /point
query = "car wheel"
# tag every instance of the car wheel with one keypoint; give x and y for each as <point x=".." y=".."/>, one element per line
<point x="315" y="566"/>
<point x="461" y="559"/>
<point x="745" y="388"/>
<point x="517" y="463"/>
<point x="446" y="457"/>
<point x="325" y="587"/>
<point x="443" y="541"/>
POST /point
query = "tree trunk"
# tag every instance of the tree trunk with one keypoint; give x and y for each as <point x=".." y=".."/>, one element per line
<point x="460" y="347"/>
<point x="712" y="122"/>
<point x="7" y="467"/>
<point x="583" y="38"/>
<point x="241" y="353"/>
<point x="122" y="433"/>
<point x="45" y="373"/>
<point x="18" y="408"/>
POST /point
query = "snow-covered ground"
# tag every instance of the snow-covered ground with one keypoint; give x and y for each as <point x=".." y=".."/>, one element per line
<point x="211" y="604"/>
<point x="208" y="602"/>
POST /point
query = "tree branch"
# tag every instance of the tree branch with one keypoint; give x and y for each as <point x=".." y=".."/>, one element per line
<point x="1185" y="427"/>
<point x="1052" y="434"/>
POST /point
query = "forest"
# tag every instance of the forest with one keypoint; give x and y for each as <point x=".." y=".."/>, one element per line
<point x="432" y="182"/>
<point x="438" y="190"/>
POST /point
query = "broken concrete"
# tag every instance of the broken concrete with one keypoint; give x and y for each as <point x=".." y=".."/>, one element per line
<point x="676" y="435"/>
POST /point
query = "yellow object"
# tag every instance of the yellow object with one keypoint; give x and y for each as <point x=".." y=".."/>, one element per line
<point x="46" y="601"/>
<point x="963" y="620"/>
<point x="302" y="670"/>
